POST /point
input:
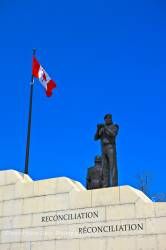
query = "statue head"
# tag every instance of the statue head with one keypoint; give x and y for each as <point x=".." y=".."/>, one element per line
<point x="98" y="161"/>
<point x="108" y="119"/>
<point x="98" y="158"/>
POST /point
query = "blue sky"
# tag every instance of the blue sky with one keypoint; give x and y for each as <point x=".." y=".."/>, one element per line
<point x="106" y="56"/>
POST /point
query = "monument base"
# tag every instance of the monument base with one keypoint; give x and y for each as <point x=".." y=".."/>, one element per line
<point x="60" y="214"/>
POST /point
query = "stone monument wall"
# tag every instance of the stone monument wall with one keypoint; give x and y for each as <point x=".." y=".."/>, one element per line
<point x="60" y="214"/>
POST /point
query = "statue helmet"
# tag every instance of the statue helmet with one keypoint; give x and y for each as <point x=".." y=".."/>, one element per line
<point x="98" y="158"/>
<point x="108" y="115"/>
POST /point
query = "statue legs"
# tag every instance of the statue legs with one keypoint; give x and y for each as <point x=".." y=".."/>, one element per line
<point x="110" y="173"/>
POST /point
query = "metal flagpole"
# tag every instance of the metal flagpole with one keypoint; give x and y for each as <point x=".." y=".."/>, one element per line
<point x="29" y="122"/>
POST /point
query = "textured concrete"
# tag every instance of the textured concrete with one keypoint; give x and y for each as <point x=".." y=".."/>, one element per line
<point x="60" y="214"/>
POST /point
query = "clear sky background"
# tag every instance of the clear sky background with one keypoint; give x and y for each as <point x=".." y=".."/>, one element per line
<point x="106" y="57"/>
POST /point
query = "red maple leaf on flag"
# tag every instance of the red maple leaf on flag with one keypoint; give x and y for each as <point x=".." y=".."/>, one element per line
<point x="44" y="76"/>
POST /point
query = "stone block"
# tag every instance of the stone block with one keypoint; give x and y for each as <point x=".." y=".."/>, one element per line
<point x="131" y="195"/>
<point x="67" y="244"/>
<point x="148" y="242"/>
<point x="79" y="186"/>
<point x="80" y="199"/>
<point x="33" y="205"/>
<point x="24" y="190"/>
<point x="117" y="212"/>
<point x="161" y="240"/>
<point x="7" y="192"/>
<point x="128" y="195"/>
<point x="22" y="221"/>
<point x="56" y="202"/>
<point x="26" y="178"/>
<point x="1" y="208"/>
<point x="10" y="236"/>
<point x="45" y="187"/>
<point x="156" y="225"/>
<point x="141" y="195"/>
<point x="21" y="246"/>
<point x="144" y="210"/>
<point x="64" y="185"/>
<point x="121" y="243"/>
<point x="43" y="245"/>
<point x="2" y="178"/>
<point x="96" y="244"/>
<point x="49" y="233"/>
<point x="57" y="232"/>
<point x="105" y="196"/>
<point x="160" y="208"/>
<point x="5" y="246"/>
<point x="32" y="234"/>
<point x="12" y="207"/>
<point x="12" y="177"/>
<point x="6" y="222"/>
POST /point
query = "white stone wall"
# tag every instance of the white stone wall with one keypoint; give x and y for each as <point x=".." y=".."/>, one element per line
<point x="60" y="214"/>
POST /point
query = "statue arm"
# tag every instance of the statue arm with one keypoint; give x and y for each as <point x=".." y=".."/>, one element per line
<point x="98" y="134"/>
<point x="113" y="130"/>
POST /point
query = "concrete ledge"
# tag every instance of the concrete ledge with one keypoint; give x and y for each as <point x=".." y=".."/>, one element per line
<point x="10" y="177"/>
<point x="59" y="213"/>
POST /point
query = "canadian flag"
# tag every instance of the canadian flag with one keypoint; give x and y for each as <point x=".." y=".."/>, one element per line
<point x="44" y="78"/>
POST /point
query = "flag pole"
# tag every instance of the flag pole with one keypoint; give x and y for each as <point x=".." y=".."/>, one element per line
<point x="29" y="122"/>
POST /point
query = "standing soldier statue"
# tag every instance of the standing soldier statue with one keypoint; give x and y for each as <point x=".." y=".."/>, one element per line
<point x="107" y="133"/>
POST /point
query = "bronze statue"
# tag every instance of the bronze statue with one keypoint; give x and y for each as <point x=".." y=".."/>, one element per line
<point x="107" y="133"/>
<point x="94" y="175"/>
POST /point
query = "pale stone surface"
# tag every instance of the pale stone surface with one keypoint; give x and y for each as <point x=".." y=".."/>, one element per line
<point x="32" y="234"/>
<point x="6" y="246"/>
<point x="61" y="214"/>
<point x="7" y="192"/>
<point x="23" y="191"/>
<point x="21" y="221"/>
<point x="34" y="205"/>
<point x="68" y="245"/>
<point x="45" y="187"/>
<point x="6" y="222"/>
<point x="115" y="212"/>
<point x="105" y="196"/>
<point x="144" y="210"/>
<point x="2" y="178"/>
<point x="1" y="208"/>
<point x="80" y="199"/>
<point x="56" y="202"/>
<point x="45" y="245"/>
<point x="161" y="241"/>
<point x="90" y="244"/>
<point x="12" y="176"/>
<point x="20" y="246"/>
<point x="12" y="207"/>
<point x="79" y="186"/>
<point x="131" y="195"/>
<point x="156" y="225"/>
<point x="8" y="236"/>
<point x="160" y="208"/>
<point x="65" y="185"/>
<point x="9" y="177"/>
<point x="147" y="243"/>
<point x="121" y="243"/>
<point x="57" y="232"/>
